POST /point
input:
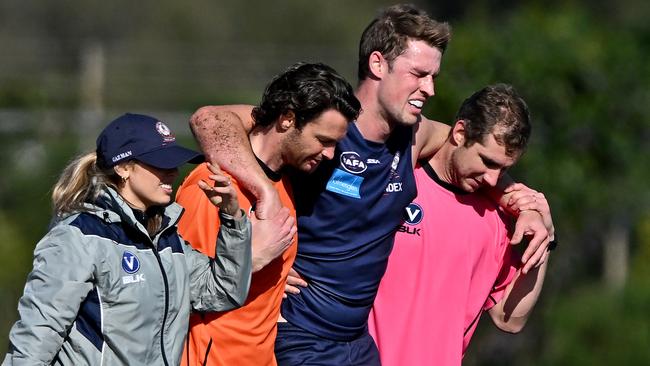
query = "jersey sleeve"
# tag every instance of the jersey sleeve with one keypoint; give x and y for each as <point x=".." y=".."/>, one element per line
<point x="509" y="267"/>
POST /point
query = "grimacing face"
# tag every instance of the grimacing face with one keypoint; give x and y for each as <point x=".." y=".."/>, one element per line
<point x="479" y="164"/>
<point x="409" y="82"/>
<point x="305" y="149"/>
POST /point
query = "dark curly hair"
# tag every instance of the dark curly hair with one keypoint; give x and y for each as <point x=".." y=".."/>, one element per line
<point x="307" y="89"/>
<point x="500" y="110"/>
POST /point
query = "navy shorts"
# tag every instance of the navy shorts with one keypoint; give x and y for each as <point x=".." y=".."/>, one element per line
<point x="294" y="346"/>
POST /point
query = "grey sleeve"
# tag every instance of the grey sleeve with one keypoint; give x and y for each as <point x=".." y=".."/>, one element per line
<point x="60" y="280"/>
<point x="222" y="283"/>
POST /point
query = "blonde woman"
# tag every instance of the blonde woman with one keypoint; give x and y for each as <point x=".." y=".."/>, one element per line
<point x="113" y="282"/>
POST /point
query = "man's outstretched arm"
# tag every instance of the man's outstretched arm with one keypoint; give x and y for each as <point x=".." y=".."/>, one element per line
<point x="222" y="134"/>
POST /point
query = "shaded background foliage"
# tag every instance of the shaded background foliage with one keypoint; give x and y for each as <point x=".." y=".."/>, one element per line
<point x="68" y="67"/>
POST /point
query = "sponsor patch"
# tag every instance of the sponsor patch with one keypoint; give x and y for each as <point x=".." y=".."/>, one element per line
<point x="413" y="214"/>
<point x="395" y="162"/>
<point x="344" y="183"/>
<point x="352" y="162"/>
<point x="135" y="278"/>
<point x="130" y="263"/>
<point x="394" y="187"/>
<point x="409" y="230"/>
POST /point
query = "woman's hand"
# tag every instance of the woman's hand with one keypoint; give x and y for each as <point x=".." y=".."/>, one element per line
<point x="221" y="193"/>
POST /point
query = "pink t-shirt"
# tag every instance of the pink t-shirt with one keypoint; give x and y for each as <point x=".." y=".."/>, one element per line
<point x="451" y="261"/>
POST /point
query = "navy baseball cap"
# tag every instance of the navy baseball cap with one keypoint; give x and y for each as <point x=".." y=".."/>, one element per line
<point x="142" y="138"/>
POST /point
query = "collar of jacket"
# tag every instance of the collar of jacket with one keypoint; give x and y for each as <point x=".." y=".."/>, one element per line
<point x="111" y="207"/>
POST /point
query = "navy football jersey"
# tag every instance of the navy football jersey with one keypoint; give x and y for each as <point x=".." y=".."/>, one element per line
<point x="348" y="211"/>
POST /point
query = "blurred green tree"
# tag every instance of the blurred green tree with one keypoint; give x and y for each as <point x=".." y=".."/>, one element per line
<point x="584" y="78"/>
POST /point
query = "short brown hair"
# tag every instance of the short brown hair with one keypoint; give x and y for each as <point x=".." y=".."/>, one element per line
<point x="389" y="32"/>
<point x="500" y="110"/>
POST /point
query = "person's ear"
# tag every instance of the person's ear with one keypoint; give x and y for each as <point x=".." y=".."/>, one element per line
<point x="377" y="64"/>
<point x="287" y="120"/>
<point x="458" y="133"/>
<point x="123" y="170"/>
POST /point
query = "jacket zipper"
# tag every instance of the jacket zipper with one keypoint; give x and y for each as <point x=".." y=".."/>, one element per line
<point x="166" y="283"/>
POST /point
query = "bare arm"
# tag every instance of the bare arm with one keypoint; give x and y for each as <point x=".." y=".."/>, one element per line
<point x="512" y="312"/>
<point x="222" y="134"/>
<point x="429" y="137"/>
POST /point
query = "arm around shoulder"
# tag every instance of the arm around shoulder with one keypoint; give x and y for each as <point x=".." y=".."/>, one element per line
<point x="429" y="137"/>
<point x="222" y="133"/>
<point x="218" y="128"/>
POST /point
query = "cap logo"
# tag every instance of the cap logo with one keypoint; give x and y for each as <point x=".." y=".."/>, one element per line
<point x="165" y="132"/>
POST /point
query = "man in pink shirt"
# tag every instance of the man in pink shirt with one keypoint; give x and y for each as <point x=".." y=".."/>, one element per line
<point x="452" y="257"/>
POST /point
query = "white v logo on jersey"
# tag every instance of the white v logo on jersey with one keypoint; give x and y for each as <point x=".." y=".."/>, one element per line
<point x="129" y="261"/>
<point x="412" y="214"/>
